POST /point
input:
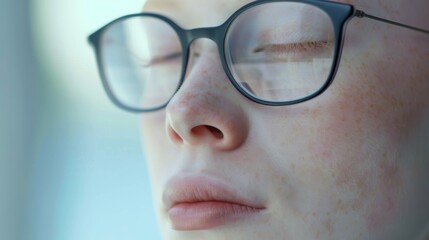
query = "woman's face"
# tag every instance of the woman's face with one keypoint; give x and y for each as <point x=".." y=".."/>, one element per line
<point x="349" y="164"/>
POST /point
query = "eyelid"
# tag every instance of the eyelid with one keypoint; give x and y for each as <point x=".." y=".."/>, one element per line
<point x="292" y="47"/>
<point x="160" y="59"/>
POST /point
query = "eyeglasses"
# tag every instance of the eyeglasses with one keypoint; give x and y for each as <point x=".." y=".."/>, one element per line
<point x="274" y="52"/>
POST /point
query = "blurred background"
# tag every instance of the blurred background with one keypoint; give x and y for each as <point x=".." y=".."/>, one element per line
<point x="71" y="164"/>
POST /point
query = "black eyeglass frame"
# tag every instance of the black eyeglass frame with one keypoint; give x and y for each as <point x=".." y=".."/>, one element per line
<point x="339" y="13"/>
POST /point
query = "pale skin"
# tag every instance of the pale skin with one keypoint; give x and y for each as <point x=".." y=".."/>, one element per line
<point x="349" y="164"/>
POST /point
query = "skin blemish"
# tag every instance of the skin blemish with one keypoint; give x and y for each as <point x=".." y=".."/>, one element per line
<point x="329" y="226"/>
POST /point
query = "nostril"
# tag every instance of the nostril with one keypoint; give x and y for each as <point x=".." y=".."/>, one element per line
<point x="202" y="129"/>
<point x="215" y="131"/>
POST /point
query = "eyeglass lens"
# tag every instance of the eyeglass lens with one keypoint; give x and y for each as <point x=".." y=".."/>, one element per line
<point x="142" y="61"/>
<point x="277" y="52"/>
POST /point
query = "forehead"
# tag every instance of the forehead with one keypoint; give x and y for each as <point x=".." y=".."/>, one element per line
<point x="190" y="3"/>
<point x="224" y="3"/>
<point x="191" y="13"/>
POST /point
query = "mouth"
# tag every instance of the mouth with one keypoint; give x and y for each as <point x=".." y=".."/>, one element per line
<point x="200" y="202"/>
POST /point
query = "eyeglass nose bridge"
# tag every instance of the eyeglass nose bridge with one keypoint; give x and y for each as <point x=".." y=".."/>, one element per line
<point x="215" y="34"/>
<point x="218" y="35"/>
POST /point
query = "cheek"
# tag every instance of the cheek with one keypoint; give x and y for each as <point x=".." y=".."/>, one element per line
<point x="374" y="98"/>
<point x="362" y="121"/>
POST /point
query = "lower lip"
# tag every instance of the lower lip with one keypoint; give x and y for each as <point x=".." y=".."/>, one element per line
<point x="206" y="215"/>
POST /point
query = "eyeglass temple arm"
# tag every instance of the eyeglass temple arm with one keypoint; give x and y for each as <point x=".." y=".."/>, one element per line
<point x="362" y="14"/>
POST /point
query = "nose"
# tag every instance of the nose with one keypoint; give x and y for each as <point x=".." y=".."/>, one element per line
<point x="207" y="110"/>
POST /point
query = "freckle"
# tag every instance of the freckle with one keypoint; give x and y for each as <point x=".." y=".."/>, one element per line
<point x="329" y="226"/>
<point x="315" y="114"/>
<point x="358" y="121"/>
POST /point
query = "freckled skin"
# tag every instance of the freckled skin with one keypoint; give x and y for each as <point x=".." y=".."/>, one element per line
<point x="349" y="164"/>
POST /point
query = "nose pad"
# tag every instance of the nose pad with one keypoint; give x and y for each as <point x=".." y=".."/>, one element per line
<point x="206" y="110"/>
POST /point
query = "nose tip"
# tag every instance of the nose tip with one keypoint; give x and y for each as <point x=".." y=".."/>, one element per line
<point x="192" y="126"/>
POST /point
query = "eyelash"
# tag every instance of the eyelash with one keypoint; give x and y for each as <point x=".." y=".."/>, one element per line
<point x="164" y="59"/>
<point x="292" y="47"/>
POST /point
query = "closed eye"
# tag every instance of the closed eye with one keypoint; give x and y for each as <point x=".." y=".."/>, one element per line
<point x="163" y="59"/>
<point x="292" y="47"/>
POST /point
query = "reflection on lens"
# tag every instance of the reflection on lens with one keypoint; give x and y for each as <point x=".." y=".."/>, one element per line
<point x="142" y="61"/>
<point x="281" y="51"/>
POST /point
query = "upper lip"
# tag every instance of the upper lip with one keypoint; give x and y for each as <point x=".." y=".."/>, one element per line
<point x="193" y="188"/>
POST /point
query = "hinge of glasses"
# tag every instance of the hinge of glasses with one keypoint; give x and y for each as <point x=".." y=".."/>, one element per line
<point x="359" y="13"/>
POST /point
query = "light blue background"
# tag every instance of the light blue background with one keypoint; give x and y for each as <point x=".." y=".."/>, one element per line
<point x="71" y="165"/>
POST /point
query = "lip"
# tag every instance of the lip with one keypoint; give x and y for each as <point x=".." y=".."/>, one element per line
<point x="201" y="202"/>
